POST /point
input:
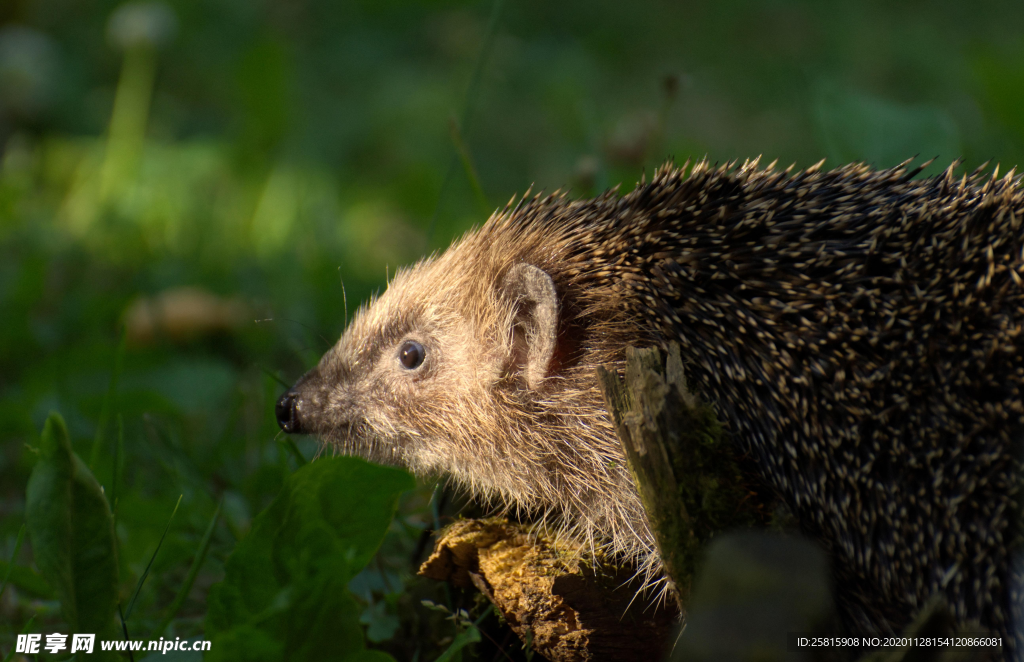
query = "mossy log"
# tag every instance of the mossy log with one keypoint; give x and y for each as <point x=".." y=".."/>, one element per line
<point x="568" y="610"/>
<point x="685" y="470"/>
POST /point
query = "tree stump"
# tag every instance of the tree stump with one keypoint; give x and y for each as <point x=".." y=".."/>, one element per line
<point x="570" y="611"/>
<point x="682" y="463"/>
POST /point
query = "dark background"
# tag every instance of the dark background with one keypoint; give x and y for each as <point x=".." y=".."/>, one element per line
<point x="264" y="153"/>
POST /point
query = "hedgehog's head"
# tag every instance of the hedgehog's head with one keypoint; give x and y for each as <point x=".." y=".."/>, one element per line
<point x="438" y="372"/>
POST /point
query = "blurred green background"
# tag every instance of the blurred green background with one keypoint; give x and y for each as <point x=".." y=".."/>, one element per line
<point x="222" y="178"/>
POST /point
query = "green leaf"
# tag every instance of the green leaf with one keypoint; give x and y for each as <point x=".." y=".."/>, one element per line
<point x="72" y="532"/>
<point x="380" y="623"/>
<point x="285" y="592"/>
<point x="470" y="635"/>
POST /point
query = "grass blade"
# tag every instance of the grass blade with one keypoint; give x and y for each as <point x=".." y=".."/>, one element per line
<point x="290" y="446"/>
<point x="118" y="467"/>
<point x="467" y="106"/>
<point x="145" y="573"/>
<point x="470" y="635"/>
<point x="197" y="562"/>
<point x="14" y="557"/>
<point x="467" y="165"/>
<point x="24" y="630"/>
<point x="124" y="629"/>
<point x="273" y="375"/>
<point x="108" y="402"/>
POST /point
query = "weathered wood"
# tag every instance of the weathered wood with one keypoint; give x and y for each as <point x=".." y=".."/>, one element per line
<point x="684" y="468"/>
<point x="570" y="611"/>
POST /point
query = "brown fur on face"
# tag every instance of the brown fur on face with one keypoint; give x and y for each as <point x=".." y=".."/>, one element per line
<point x="468" y="411"/>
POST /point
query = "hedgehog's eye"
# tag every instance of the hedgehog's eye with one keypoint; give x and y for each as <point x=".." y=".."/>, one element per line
<point x="411" y="354"/>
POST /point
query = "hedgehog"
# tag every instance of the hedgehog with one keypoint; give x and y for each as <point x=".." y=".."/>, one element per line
<point x="857" y="331"/>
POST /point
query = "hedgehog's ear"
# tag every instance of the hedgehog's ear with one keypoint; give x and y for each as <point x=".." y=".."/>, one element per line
<point x="535" y="325"/>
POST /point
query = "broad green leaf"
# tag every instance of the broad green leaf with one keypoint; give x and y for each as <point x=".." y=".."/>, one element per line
<point x="285" y="592"/>
<point x="72" y="532"/>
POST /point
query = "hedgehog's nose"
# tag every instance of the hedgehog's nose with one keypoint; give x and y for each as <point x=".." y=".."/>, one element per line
<point x="287" y="411"/>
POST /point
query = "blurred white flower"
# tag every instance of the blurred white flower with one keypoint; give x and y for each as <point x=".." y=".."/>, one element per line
<point x="136" y="24"/>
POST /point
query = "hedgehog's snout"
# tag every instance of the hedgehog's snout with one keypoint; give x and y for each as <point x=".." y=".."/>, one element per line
<point x="296" y="408"/>
<point x="317" y="404"/>
<point x="288" y="412"/>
